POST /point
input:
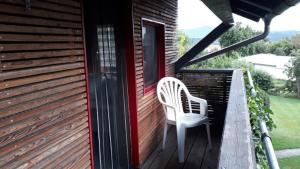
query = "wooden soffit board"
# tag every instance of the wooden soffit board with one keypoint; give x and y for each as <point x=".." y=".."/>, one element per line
<point x="221" y="8"/>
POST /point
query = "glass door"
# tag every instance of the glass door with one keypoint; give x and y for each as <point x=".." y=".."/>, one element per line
<point x="108" y="94"/>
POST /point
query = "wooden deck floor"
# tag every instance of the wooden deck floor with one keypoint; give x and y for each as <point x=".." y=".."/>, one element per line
<point x="197" y="154"/>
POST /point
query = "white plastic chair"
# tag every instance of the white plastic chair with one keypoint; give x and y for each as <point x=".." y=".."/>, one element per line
<point x="169" y="92"/>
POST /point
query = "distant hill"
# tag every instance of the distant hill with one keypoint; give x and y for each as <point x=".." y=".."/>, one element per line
<point x="277" y="35"/>
<point x="196" y="34"/>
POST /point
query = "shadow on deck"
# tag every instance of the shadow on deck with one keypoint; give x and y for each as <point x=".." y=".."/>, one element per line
<point x="197" y="153"/>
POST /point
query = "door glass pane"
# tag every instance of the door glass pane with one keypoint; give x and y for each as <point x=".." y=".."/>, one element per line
<point x="106" y="47"/>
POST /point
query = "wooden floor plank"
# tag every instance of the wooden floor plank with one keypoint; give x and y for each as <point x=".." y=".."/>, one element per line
<point x="191" y="136"/>
<point x="211" y="157"/>
<point x="163" y="156"/>
<point x="196" y="156"/>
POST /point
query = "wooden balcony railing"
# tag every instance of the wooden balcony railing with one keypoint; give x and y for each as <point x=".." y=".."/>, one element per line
<point x="225" y="92"/>
<point x="236" y="147"/>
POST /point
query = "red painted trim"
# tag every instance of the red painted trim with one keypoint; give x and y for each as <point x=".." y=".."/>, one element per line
<point x="160" y="36"/>
<point x="132" y="99"/>
<point x="132" y="89"/>
<point x="87" y="89"/>
<point x="150" y="88"/>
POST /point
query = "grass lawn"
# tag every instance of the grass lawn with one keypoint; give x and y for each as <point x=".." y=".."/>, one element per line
<point x="289" y="163"/>
<point x="287" y="119"/>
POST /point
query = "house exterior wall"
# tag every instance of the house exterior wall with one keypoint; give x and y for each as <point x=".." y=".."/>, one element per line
<point x="275" y="72"/>
<point x="43" y="95"/>
<point x="150" y="113"/>
<point x="272" y="64"/>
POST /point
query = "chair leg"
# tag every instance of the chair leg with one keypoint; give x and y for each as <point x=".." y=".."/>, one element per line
<point x="181" y="141"/>
<point x="165" y="135"/>
<point x="208" y="136"/>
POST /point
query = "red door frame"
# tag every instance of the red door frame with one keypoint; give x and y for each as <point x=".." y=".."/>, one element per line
<point x="131" y="77"/>
<point x="131" y="87"/>
<point x="87" y="88"/>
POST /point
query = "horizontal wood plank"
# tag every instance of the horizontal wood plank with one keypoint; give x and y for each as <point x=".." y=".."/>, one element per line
<point x="35" y="103"/>
<point x="38" y="30"/>
<point x="46" y="6"/>
<point x="43" y="96"/>
<point x="72" y="3"/>
<point x="37" y="71"/>
<point x="39" y="62"/>
<point x="30" y="21"/>
<point x="13" y="9"/>
<point x="39" y="54"/>
<point x="39" y="46"/>
<point x="39" y="94"/>
<point x="30" y="143"/>
<point x="38" y="38"/>
<point x="39" y="86"/>
<point x="39" y="78"/>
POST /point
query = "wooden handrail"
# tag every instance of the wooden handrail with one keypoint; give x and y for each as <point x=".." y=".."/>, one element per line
<point x="236" y="146"/>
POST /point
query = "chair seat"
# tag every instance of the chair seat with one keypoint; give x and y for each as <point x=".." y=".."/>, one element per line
<point x="190" y="119"/>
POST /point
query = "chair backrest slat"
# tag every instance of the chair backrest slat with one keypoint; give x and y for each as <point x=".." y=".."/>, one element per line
<point x="169" y="92"/>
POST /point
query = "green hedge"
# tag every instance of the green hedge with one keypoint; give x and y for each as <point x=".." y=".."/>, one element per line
<point x="263" y="79"/>
<point x="259" y="106"/>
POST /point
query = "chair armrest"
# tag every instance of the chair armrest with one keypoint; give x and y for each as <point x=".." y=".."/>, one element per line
<point x="171" y="107"/>
<point x="202" y="102"/>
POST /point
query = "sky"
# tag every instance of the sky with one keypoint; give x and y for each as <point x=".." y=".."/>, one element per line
<point x="194" y="14"/>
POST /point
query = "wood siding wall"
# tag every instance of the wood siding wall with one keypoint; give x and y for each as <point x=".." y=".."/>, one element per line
<point x="150" y="113"/>
<point x="43" y="99"/>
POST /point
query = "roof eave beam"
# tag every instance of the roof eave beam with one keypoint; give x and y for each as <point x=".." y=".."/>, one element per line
<point x="269" y="10"/>
<point x="247" y="14"/>
<point x="267" y="22"/>
<point x="201" y="45"/>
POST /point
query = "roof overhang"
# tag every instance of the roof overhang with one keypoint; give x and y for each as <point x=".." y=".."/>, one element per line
<point x="221" y="8"/>
<point x="251" y="9"/>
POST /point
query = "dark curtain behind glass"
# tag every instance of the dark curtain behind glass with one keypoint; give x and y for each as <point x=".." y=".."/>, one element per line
<point x="150" y="55"/>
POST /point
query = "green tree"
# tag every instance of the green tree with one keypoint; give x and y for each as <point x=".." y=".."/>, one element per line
<point x="296" y="52"/>
<point x="263" y="79"/>
<point x="222" y="61"/>
<point x="283" y="47"/>
<point x="239" y="33"/>
<point x="293" y="71"/>
<point x="183" y="41"/>
<point x="296" y="41"/>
